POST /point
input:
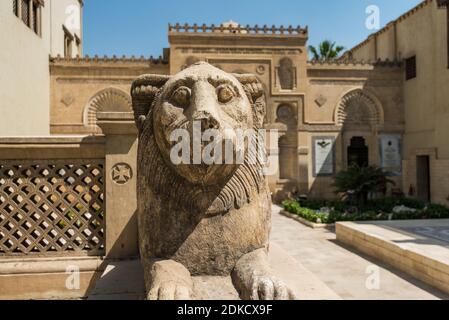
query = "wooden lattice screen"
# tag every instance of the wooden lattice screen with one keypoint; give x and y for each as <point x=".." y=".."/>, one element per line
<point x="52" y="207"/>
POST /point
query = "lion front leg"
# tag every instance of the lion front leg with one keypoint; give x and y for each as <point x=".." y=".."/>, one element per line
<point x="254" y="280"/>
<point x="169" y="280"/>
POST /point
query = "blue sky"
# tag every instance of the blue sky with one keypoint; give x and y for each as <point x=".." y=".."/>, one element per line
<point x="139" y="27"/>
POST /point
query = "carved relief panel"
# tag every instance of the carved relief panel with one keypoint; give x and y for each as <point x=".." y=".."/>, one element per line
<point x="286" y="75"/>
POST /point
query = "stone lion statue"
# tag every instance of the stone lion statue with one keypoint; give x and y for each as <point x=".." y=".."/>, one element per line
<point x="199" y="219"/>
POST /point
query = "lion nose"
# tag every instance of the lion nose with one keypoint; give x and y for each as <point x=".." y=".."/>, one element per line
<point x="209" y="123"/>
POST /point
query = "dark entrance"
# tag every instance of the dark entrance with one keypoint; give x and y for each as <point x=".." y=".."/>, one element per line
<point x="423" y="178"/>
<point x="358" y="152"/>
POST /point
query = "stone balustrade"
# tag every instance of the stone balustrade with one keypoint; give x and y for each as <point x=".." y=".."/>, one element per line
<point x="55" y="193"/>
<point x="67" y="204"/>
<point x="51" y="203"/>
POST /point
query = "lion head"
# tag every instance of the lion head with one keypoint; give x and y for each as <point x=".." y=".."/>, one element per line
<point x="205" y="98"/>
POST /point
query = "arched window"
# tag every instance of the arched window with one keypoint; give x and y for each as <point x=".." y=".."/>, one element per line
<point x="358" y="107"/>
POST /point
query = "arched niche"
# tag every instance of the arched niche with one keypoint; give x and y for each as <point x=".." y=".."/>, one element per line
<point x="110" y="99"/>
<point x="288" y="141"/>
<point x="359" y="108"/>
<point x="286" y="114"/>
<point x="287" y="157"/>
<point x="287" y="74"/>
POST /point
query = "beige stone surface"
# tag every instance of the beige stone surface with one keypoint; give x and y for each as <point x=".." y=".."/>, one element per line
<point x="24" y="61"/>
<point x="100" y="84"/>
<point x="47" y="278"/>
<point x="425" y="258"/>
<point x="421" y="32"/>
<point x="120" y="175"/>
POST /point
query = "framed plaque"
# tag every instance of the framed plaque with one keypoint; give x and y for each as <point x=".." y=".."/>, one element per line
<point x="390" y="146"/>
<point x="323" y="156"/>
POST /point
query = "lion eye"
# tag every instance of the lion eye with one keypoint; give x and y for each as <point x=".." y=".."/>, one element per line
<point x="225" y="94"/>
<point x="181" y="97"/>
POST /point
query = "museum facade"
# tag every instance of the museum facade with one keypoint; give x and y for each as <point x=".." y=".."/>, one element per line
<point x="383" y="103"/>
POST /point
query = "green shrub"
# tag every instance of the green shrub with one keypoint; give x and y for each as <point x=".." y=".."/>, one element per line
<point x="306" y="213"/>
<point x="436" y="211"/>
<point x="373" y="210"/>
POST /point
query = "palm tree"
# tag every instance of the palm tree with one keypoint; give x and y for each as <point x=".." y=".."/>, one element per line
<point x="327" y="50"/>
<point x="359" y="181"/>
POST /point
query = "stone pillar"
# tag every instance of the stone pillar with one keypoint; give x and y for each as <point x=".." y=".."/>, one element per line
<point x="272" y="146"/>
<point x="120" y="181"/>
<point x="303" y="167"/>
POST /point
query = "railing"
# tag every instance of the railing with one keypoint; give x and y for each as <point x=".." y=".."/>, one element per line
<point x="238" y="29"/>
<point x="51" y="206"/>
<point x="67" y="203"/>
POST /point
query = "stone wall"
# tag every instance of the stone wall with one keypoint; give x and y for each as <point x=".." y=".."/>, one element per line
<point x="304" y="100"/>
<point x="331" y="88"/>
<point x="421" y="32"/>
<point x="81" y="87"/>
<point x="24" y="80"/>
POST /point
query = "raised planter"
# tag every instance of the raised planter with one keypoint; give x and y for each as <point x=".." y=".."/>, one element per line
<point x="306" y="222"/>
<point x="393" y="242"/>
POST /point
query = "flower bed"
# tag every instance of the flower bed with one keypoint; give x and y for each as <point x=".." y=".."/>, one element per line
<point x="328" y="212"/>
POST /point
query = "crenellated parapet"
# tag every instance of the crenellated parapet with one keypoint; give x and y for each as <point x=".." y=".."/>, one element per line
<point x="110" y="59"/>
<point x="235" y="28"/>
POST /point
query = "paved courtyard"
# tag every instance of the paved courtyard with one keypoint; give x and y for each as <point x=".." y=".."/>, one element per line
<point x="436" y="232"/>
<point x="343" y="270"/>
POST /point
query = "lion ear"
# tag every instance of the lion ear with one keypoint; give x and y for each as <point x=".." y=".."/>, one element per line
<point x="143" y="92"/>
<point x="256" y="94"/>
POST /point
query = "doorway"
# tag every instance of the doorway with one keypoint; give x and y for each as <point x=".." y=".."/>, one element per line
<point x="423" y="178"/>
<point x="358" y="153"/>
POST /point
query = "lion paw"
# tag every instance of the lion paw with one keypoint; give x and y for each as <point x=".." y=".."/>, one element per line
<point x="169" y="280"/>
<point x="270" y="288"/>
<point x="170" y="291"/>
